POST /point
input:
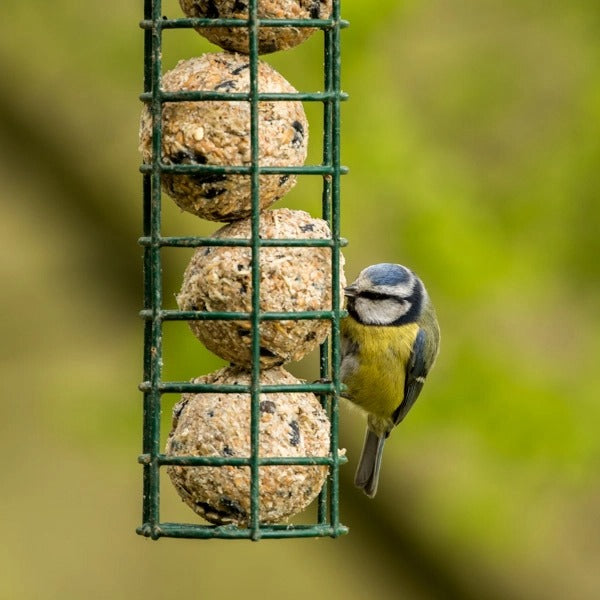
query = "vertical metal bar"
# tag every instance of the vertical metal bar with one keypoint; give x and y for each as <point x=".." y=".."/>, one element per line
<point x="335" y="231"/>
<point x="152" y="425"/>
<point x="147" y="193"/>
<point x="327" y="121"/>
<point x="322" y="512"/>
<point x="255" y="241"/>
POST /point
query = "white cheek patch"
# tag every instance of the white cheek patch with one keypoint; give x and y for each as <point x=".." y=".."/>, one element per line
<point x="380" y="312"/>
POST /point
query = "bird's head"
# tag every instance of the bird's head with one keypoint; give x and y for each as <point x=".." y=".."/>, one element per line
<point x="385" y="294"/>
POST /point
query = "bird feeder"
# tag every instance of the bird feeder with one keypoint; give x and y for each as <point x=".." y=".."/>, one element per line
<point x="250" y="445"/>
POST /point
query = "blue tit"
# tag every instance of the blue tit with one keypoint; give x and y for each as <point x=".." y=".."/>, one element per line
<point x="390" y="341"/>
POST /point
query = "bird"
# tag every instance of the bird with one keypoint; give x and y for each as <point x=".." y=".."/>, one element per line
<point x="389" y="342"/>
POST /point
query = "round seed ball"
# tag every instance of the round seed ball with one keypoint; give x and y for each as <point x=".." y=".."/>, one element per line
<point x="291" y="279"/>
<point x="218" y="133"/>
<point x="291" y="424"/>
<point x="270" y="39"/>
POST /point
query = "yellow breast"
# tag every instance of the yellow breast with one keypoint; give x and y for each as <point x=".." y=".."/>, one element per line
<point x="377" y="383"/>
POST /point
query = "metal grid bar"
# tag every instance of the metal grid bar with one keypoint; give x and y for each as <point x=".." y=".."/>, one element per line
<point x="154" y="315"/>
<point x="221" y="461"/>
<point x="183" y="530"/>
<point x="192" y="169"/>
<point x="186" y="23"/>
<point x="335" y="69"/>
<point x="187" y="387"/>
<point x="255" y="265"/>
<point x="198" y="95"/>
<point x="198" y="315"/>
<point x="194" y="242"/>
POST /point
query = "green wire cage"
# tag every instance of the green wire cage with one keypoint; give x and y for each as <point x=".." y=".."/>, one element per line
<point x="328" y="386"/>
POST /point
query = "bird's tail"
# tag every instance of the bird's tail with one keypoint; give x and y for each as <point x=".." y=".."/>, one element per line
<point x="367" y="474"/>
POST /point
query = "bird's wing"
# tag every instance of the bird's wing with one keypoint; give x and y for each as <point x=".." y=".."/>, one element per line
<point x="348" y="360"/>
<point x="416" y="371"/>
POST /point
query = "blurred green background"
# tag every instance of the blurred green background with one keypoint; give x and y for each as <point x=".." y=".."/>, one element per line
<point x="473" y="138"/>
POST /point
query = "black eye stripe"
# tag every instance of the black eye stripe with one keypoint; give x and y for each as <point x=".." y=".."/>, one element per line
<point x="375" y="296"/>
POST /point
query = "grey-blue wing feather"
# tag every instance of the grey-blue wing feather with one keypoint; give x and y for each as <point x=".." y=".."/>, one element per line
<point x="416" y="371"/>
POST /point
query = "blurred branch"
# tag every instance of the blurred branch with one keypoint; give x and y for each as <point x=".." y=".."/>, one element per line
<point x="400" y="549"/>
<point x="83" y="197"/>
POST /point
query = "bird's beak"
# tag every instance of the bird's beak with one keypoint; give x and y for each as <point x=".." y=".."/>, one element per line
<point x="350" y="291"/>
